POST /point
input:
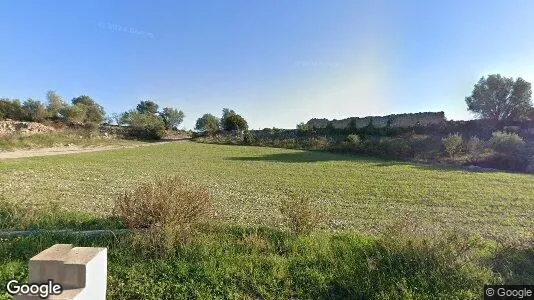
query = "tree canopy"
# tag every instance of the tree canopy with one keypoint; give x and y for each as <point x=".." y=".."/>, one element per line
<point x="85" y="111"/>
<point x="230" y="121"/>
<point x="147" y="107"/>
<point x="54" y="105"/>
<point x="234" y="122"/>
<point x="500" y="98"/>
<point x="208" y="123"/>
<point x="34" y="110"/>
<point x="172" y="117"/>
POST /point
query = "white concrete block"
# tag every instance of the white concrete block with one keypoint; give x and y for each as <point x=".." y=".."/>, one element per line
<point x="81" y="271"/>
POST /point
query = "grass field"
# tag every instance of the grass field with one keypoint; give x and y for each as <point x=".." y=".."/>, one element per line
<point x="249" y="182"/>
<point x="392" y="230"/>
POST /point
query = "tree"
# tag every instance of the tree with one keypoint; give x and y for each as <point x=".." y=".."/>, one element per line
<point x="54" y="105"/>
<point x="83" y="99"/>
<point x="74" y="114"/>
<point x="93" y="113"/>
<point x="303" y="127"/>
<point x="208" y="123"/>
<point x="147" y="107"/>
<point x="172" y="117"/>
<point x="531" y="114"/>
<point x="11" y="109"/>
<point x="234" y="122"/>
<point x="146" y="126"/>
<point x="226" y="112"/>
<point x="125" y="117"/>
<point x="500" y="98"/>
<point x="34" y="110"/>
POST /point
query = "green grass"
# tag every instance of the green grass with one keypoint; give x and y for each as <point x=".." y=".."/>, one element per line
<point x="236" y="262"/>
<point x="386" y="235"/>
<point x="248" y="184"/>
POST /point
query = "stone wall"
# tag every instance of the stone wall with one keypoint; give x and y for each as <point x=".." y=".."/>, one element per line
<point x="400" y="120"/>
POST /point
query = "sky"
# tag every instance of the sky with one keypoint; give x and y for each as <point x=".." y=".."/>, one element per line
<point x="275" y="62"/>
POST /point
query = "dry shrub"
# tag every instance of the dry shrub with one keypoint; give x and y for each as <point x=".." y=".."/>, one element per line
<point x="169" y="209"/>
<point x="475" y="148"/>
<point x="173" y="200"/>
<point x="453" y="144"/>
<point x="300" y="214"/>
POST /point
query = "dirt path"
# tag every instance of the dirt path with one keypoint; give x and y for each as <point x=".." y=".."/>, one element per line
<point x="70" y="150"/>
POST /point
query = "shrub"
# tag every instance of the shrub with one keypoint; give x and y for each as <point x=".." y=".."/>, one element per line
<point x="387" y="147"/>
<point x="395" y="148"/>
<point x="146" y="126"/>
<point x="506" y="142"/>
<point x="452" y="144"/>
<point x="475" y="148"/>
<point x="530" y="165"/>
<point x="170" y="209"/>
<point x="318" y="143"/>
<point x="300" y="214"/>
<point x="353" y="140"/>
<point x="515" y="161"/>
<point x="248" y="138"/>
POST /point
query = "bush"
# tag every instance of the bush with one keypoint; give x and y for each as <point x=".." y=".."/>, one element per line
<point x="248" y="138"/>
<point x="396" y="148"/>
<point x="146" y="126"/>
<point x="353" y="140"/>
<point x="506" y="142"/>
<point x="170" y="209"/>
<point x="452" y="144"/>
<point x="516" y="161"/>
<point x="301" y="216"/>
<point x="475" y="148"/>
<point x="530" y="165"/>
<point x="318" y="143"/>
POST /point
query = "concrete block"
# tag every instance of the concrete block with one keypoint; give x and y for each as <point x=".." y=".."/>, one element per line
<point x="81" y="271"/>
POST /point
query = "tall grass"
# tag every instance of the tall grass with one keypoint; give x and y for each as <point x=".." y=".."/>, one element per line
<point x="170" y="210"/>
<point x="262" y="263"/>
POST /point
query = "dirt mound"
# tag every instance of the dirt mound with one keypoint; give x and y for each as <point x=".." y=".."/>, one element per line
<point x="18" y="127"/>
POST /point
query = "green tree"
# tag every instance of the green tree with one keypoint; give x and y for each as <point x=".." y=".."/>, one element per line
<point x="531" y="114"/>
<point x="11" y="109"/>
<point x="147" y="107"/>
<point x="172" y="117"/>
<point x="34" y="110"/>
<point x="500" y="98"/>
<point x="93" y="113"/>
<point x="146" y="126"/>
<point x="234" y="122"/>
<point x="74" y="114"/>
<point x="303" y="127"/>
<point x="208" y="123"/>
<point x="54" y="105"/>
<point x="226" y="112"/>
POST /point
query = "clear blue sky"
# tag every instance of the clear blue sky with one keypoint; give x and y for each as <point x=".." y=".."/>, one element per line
<point x="277" y="62"/>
